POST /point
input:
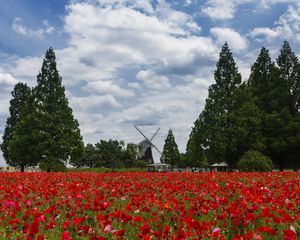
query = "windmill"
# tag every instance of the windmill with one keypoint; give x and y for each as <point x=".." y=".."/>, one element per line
<point x="145" y="147"/>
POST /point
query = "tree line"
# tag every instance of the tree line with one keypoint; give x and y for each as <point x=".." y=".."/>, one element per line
<point x="110" y="154"/>
<point x="260" y="114"/>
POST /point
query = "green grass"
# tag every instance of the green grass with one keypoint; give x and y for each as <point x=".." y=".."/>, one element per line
<point x="105" y="170"/>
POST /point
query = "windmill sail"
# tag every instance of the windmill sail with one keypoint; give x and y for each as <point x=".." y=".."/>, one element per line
<point x="145" y="147"/>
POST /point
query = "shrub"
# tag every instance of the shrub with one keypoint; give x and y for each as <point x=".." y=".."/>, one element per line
<point x="53" y="166"/>
<point x="254" y="161"/>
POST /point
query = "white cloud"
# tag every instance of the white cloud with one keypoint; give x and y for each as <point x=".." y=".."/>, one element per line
<point x="91" y="102"/>
<point x="176" y="19"/>
<point x="7" y="79"/>
<point x="226" y="9"/>
<point x="144" y="5"/>
<point x="220" y="9"/>
<point x="135" y="85"/>
<point x="26" y="69"/>
<point x="19" y="27"/>
<point x="265" y="32"/>
<point x="176" y="108"/>
<point x="270" y="3"/>
<point x="105" y="40"/>
<point x="234" y="39"/>
<point x="108" y="87"/>
<point x="4" y="105"/>
<point x="151" y="80"/>
<point x="287" y="27"/>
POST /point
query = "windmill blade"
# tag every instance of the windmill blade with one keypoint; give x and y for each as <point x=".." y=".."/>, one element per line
<point x="156" y="148"/>
<point x="154" y="134"/>
<point x="141" y="132"/>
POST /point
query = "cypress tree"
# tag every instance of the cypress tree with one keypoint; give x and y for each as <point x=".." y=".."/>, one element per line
<point x="170" y="153"/>
<point x="289" y="74"/>
<point x="62" y="139"/>
<point x="289" y="77"/>
<point x="218" y="112"/>
<point x="262" y="76"/>
<point x="21" y="93"/>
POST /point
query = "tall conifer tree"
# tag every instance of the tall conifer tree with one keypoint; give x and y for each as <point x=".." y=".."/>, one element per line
<point x="220" y="104"/>
<point x="289" y="73"/>
<point x="261" y="80"/>
<point x="62" y="139"/>
<point x="170" y="153"/>
<point x="289" y="77"/>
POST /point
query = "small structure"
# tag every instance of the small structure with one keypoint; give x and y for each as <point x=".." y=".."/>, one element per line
<point x="8" y="169"/>
<point x="145" y="147"/>
<point x="158" y="167"/>
<point x="219" y="167"/>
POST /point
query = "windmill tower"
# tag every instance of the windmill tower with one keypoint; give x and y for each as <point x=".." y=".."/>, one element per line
<point x="145" y="147"/>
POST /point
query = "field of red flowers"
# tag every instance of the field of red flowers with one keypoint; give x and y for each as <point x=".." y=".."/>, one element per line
<point x="150" y="206"/>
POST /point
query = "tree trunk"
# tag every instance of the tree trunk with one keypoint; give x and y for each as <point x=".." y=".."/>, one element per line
<point x="22" y="168"/>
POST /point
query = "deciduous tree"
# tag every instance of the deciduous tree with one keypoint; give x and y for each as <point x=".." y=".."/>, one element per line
<point x="21" y="94"/>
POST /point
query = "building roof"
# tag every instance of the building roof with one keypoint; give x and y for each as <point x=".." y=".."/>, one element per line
<point x="222" y="164"/>
<point x="158" y="165"/>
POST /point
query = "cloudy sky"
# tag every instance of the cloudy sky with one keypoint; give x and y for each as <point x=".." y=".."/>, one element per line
<point x="143" y="62"/>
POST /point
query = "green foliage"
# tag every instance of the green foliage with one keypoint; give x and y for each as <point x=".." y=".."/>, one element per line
<point x="41" y="126"/>
<point x="215" y="129"/>
<point x="129" y="156"/>
<point x="138" y="163"/>
<point x="88" y="159"/>
<point x="261" y="114"/>
<point x="195" y="156"/>
<point x="61" y="135"/>
<point x="289" y="74"/>
<point x="246" y="121"/>
<point x="263" y="73"/>
<point x="254" y="161"/>
<point x="109" y="154"/>
<point x="24" y="146"/>
<point x="106" y="170"/>
<point x="170" y="153"/>
<point x="289" y="111"/>
<point x="52" y="166"/>
<point x="21" y="94"/>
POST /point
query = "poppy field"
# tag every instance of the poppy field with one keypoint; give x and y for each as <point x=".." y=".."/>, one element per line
<point x="150" y="206"/>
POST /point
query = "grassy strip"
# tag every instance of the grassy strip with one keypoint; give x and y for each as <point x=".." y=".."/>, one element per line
<point x="105" y="170"/>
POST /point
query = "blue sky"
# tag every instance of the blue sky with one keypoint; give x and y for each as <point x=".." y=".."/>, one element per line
<point x="143" y="62"/>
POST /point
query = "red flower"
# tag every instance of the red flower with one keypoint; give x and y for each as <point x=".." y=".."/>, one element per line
<point x="145" y="229"/>
<point x="289" y="235"/>
<point x="40" y="237"/>
<point x="66" y="236"/>
<point x="267" y="229"/>
<point x="34" y="227"/>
